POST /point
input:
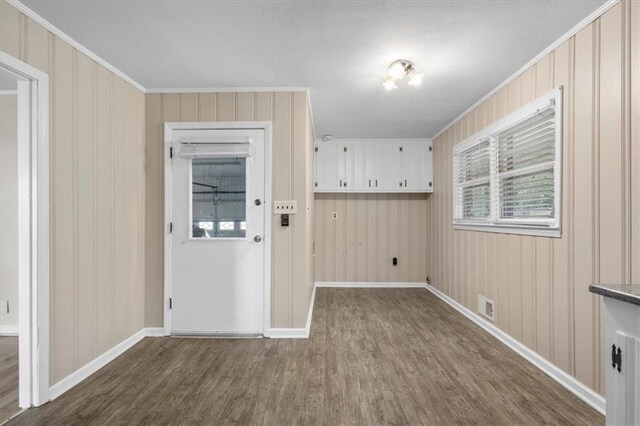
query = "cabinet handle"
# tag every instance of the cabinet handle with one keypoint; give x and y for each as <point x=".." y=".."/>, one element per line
<point x="340" y="183"/>
<point x="405" y="182"/>
<point x="376" y="183"/>
<point x="400" y="184"/>
<point x="369" y="183"/>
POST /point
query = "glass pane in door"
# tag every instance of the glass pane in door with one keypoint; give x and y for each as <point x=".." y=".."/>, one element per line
<point x="218" y="197"/>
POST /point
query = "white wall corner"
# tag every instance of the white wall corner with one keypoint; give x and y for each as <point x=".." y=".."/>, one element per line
<point x="576" y="387"/>
<point x="297" y="333"/>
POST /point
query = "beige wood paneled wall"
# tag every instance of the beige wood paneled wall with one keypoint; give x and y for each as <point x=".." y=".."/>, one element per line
<point x="97" y="196"/>
<point x="370" y="230"/>
<point x="292" y="176"/>
<point x="540" y="285"/>
<point x="9" y="209"/>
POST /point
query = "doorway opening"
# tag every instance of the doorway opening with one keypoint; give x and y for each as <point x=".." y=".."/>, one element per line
<point x="217" y="241"/>
<point x="24" y="242"/>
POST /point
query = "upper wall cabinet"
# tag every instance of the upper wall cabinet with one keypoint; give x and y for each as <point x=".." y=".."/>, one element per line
<point x="375" y="165"/>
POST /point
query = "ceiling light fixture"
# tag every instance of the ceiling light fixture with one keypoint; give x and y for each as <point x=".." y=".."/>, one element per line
<point x="400" y="68"/>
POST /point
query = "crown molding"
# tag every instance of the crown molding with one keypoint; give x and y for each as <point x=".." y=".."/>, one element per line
<point x="573" y="31"/>
<point x="226" y="89"/>
<point x="63" y="36"/>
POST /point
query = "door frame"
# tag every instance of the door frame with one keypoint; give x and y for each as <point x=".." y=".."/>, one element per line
<point x="33" y="233"/>
<point x="169" y="127"/>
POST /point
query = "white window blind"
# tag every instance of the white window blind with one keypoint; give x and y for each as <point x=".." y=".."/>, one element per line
<point x="507" y="177"/>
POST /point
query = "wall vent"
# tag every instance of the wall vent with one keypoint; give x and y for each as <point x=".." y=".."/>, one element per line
<point x="486" y="308"/>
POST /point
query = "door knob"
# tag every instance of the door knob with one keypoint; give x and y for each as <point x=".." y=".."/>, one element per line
<point x="257" y="202"/>
<point x="257" y="238"/>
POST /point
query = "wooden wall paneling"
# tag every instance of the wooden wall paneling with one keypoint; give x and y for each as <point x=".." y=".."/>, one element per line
<point x="85" y="225"/>
<point x="62" y="326"/>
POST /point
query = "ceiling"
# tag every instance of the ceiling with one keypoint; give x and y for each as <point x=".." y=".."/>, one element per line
<point x="340" y="50"/>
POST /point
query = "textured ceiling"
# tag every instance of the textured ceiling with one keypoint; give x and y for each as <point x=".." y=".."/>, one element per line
<point x="339" y="49"/>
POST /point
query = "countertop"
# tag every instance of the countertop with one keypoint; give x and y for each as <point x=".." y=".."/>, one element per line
<point x="629" y="293"/>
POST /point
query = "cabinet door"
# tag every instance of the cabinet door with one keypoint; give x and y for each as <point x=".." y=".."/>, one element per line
<point x="387" y="158"/>
<point x="329" y="167"/>
<point x="371" y="178"/>
<point x="356" y="179"/>
<point x="623" y="405"/>
<point x="413" y="160"/>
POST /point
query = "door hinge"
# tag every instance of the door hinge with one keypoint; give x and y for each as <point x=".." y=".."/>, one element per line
<point x="430" y="148"/>
<point x="400" y="149"/>
<point x="316" y="149"/>
<point x="171" y="227"/>
<point x="170" y="303"/>
<point x="430" y="184"/>
<point x="316" y="184"/>
<point x="170" y="152"/>
<point x="616" y="358"/>
<point x="345" y="149"/>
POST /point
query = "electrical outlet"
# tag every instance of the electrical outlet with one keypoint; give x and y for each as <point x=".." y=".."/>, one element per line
<point x="4" y="306"/>
<point x="285" y="207"/>
<point x="335" y="215"/>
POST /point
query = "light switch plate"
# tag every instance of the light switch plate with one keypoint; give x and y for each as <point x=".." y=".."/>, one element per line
<point x="285" y="207"/>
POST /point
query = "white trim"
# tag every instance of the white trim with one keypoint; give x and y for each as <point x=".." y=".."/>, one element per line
<point x="59" y="33"/>
<point x="34" y="272"/>
<point x="9" y="330"/>
<point x="8" y="92"/>
<point x="154" y="331"/>
<point x="220" y="125"/>
<point x="93" y="366"/>
<point x="566" y="36"/>
<point x="569" y="382"/>
<point x="313" y="123"/>
<point x="226" y="89"/>
<point x="364" y="284"/>
<point x="297" y="333"/>
<point x="497" y="228"/>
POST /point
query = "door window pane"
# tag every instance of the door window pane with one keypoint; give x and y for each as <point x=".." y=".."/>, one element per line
<point x="218" y="197"/>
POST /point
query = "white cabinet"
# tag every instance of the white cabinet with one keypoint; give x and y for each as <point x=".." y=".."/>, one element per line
<point x="622" y="362"/>
<point x="378" y="165"/>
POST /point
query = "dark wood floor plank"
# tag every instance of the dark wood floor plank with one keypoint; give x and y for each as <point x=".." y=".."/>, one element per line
<point x="8" y="377"/>
<point x="375" y="356"/>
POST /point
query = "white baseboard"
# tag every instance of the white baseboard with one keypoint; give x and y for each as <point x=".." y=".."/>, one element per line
<point x="9" y="330"/>
<point x="297" y="333"/>
<point x="93" y="366"/>
<point x="583" y="392"/>
<point x="154" y="332"/>
<point x="365" y="284"/>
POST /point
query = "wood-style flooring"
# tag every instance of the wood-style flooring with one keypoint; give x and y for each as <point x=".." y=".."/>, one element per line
<point x="375" y="356"/>
<point x="8" y="377"/>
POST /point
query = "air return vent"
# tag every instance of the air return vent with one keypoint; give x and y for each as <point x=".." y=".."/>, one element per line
<point x="486" y="308"/>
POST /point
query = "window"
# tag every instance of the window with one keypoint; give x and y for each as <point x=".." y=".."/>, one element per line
<point x="506" y="178"/>
<point x="218" y="197"/>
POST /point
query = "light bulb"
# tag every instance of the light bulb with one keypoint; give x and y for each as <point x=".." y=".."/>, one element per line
<point x="396" y="71"/>
<point x="389" y="84"/>
<point x="415" y="78"/>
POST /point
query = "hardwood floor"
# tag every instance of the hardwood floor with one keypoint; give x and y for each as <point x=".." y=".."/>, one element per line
<point x="8" y="377"/>
<point x="375" y="356"/>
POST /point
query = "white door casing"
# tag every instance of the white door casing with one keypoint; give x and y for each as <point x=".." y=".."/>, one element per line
<point x="217" y="281"/>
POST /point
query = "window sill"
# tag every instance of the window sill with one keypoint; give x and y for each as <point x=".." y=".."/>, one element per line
<point x="510" y="229"/>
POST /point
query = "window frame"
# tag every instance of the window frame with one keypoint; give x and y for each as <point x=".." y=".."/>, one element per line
<point x="548" y="227"/>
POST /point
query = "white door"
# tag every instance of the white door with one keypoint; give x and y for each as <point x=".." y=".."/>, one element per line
<point x="217" y="238"/>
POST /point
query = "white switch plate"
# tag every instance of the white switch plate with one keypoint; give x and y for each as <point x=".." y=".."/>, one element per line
<point x="285" y="207"/>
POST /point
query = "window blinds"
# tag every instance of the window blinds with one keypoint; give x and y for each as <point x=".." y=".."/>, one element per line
<point x="525" y="154"/>
<point x="472" y="168"/>
<point x="508" y="174"/>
